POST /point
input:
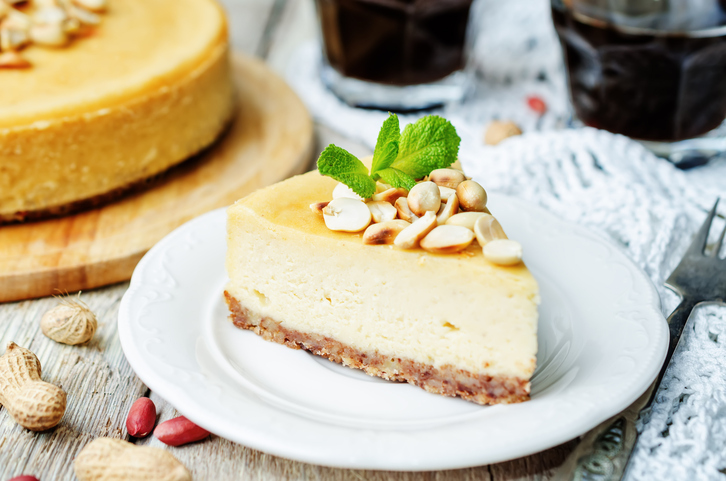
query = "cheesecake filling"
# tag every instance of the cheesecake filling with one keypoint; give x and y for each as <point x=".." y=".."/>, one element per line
<point x="446" y="380"/>
<point x="435" y="309"/>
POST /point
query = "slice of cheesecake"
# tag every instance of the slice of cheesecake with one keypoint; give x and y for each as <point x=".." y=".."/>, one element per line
<point x="453" y="324"/>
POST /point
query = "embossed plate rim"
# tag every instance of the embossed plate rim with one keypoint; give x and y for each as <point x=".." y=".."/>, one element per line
<point x="160" y="318"/>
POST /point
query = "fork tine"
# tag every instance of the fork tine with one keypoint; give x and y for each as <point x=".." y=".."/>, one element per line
<point x="717" y="249"/>
<point x="699" y="243"/>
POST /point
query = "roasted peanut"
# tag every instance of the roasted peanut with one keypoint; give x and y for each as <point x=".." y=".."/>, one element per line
<point x="178" y="431"/>
<point x="465" y="219"/>
<point x="504" y="252"/>
<point x="424" y="197"/>
<point x="404" y="212"/>
<point x="450" y="178"/>
<point x="487" y="229"/>
<point x="447" y="210"/>
<point x="317" y="207"/>
<point x="499" y="130"/>
<point x="142" y="418"/>
<point x="409" y="237"/>
<point x="447" y="239"/>
<point x="346" y="215"/>
<point x="382" y="211"/>
<point x="384" y="232"/>
<point x="472" y="196"/>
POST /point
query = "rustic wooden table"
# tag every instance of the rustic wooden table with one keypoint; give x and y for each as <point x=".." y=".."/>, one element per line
<point x="101" y="385"/>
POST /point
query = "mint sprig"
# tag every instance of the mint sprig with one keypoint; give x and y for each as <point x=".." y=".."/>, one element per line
<point x="429" y="144"/>
<point x="345" y="167"/>
<point x="386" y="149"/>
<point x="398" y="159"/>
<point x="396" y="178"/>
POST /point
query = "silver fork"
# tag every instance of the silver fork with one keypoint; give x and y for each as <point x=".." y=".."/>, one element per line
<point x="603" y="453"/>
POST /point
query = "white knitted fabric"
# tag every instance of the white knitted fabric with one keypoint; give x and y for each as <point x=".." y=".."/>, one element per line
<point x="603" y="181"/>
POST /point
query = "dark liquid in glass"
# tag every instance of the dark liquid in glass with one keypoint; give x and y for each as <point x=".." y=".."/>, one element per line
<point x="397" y="42"/>
<point x="643" y="84"/>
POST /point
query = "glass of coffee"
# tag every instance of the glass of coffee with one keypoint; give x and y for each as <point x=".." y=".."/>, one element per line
<point x="397" y="55"/>
<point x="654" y="70"/>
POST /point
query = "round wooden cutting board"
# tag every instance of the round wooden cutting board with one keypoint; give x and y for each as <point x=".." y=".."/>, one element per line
<point x="270" y="140"/>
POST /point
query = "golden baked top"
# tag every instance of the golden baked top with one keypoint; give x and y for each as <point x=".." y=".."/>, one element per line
<point x="139" y="46"/>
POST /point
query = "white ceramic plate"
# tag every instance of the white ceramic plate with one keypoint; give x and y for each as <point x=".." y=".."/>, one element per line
<point x="602" y="339"/>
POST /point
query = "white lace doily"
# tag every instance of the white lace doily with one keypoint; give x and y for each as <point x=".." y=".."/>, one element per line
<point x="604" y="181"/>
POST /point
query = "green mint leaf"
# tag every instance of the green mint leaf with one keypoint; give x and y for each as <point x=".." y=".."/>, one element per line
<point x="396" y="178"/>
<point x="398" y="159"/>
<point x="387" y="144"/>
<point x="430" y="143"/>
<point x="345" y="167"/>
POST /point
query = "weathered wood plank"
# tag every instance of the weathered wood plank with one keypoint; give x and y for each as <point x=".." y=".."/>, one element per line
<point x="99" y="382"/>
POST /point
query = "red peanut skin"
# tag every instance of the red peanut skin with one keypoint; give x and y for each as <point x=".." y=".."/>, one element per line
<point x="537" y="104"/>
<point x="178" y="431"/>
<point x="24" y="477"/>
<point x="142" y="418"/>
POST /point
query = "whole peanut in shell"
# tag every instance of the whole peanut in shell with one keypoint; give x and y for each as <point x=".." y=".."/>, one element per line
<point x="31" y="402"/>
<point x="107" y="459"/>
<point x="70" y="322"/>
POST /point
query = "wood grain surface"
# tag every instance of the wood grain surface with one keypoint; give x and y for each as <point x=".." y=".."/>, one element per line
<point x="102" y="246"/>
<point x="99" y="382"/>
<point x="101" y="385"/>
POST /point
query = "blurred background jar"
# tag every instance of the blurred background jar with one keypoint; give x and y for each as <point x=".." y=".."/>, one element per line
<point x="653" y="70"/>
<point x="398" y="55"/>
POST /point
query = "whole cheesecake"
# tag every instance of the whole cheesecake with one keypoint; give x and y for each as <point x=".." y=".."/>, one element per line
<point x="455" y="324"/>
<point x="143" y="90"/>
